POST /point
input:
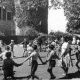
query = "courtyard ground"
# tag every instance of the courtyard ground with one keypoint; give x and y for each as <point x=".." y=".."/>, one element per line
<point x="23" y="71"/>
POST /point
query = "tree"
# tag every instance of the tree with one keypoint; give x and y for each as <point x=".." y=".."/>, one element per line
<point x="56" y="4"/>
<point x="31" y="33"/>
<point x="9" y="4"/>
<point x="72" y="12"/>
<point x="58" y="35"/>
<point x="33" y="13"/>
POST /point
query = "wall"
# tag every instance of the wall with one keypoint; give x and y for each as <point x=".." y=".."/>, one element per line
<point x="7" y="25"/>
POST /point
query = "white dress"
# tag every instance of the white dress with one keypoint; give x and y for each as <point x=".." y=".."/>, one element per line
<point x="66" y="58"/>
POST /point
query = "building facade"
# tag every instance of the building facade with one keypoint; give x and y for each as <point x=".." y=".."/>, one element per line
<point x="7" y="11"/>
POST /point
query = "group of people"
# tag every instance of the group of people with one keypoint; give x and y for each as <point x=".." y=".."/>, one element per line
<point x="63" y="56"/>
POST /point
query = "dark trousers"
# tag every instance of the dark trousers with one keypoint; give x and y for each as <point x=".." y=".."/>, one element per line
<point x="34" y="66"/>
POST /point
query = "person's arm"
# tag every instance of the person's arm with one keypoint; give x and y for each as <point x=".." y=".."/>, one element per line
<point x="29" y="57"/>
<point x="16" y="64"/>
<point x="22" y="42"/>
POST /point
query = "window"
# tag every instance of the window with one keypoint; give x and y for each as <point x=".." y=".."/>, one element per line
<point x="0" y="12"/>
<point x="9" y="16"/>
<point x="0" y="1"/>
<point x="4" y="14"/>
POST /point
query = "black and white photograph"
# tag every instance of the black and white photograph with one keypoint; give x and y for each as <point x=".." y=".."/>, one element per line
<point x="39" y="39"/>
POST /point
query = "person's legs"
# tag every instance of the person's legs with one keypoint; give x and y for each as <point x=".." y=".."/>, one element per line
<point x="12" y="76"/>
<point x="24" y="53"/>
<point x="33" y="69"/>
<point x="51" y="65"/>
<point x="64" y="67"/>
<point x="5" y="78"/>
<point x="77" y="65"/>
<point x="50" y="72"/>
<point x="5" y="75"/>
<point x="29" y="61"/>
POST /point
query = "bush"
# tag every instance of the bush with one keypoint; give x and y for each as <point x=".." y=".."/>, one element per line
<point x="31" y="33"/>
<point x="58" y="35"/>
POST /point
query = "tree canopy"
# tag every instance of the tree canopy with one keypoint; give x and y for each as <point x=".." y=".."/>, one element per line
<point x="72" y="12"/>
<point x="33" y="13"/>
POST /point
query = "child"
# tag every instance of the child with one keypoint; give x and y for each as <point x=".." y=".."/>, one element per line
<point x="2" y="55"/>
<point x="8" y="65"/>
<point x="51" y="58"/>
<point x="35" y="55"/>
<point x="29" y="51"/>
<point x="25" y="42"/>
<point x="12" y="46"/>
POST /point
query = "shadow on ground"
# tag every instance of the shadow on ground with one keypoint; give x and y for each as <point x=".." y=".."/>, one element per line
<point x="68" y="76"/>
<point x="28" y="77"/>
<point x="72" y="75"/>
<point x="24" y="77"/>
